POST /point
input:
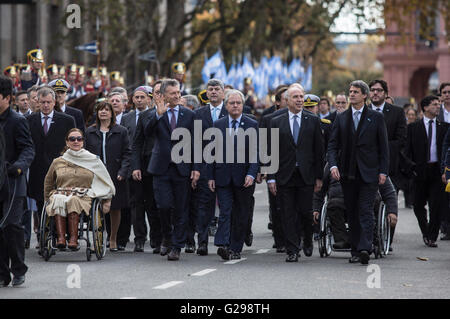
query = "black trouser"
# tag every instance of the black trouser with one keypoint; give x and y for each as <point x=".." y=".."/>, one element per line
<point x="359" y="200"/>
<point x="337" y="221"/>
<point x="252" y="209"/>
<point x="430" y="190"/>
<point x="143" y="204"/>
<point x="296" y="212"/>
<point x="206" y="210"/>
<point x="123" y="234"/>
<point x="277" y="227"/>
<point x="12" y="246"/>
<point x="191" y="227"/>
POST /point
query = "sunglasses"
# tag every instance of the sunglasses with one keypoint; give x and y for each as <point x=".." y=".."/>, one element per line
<point x="75" y="138"/>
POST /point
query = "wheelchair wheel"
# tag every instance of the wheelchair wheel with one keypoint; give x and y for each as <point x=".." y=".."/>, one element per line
<point x="383" y="231"/>
<point x="325" y="236"/>
<point x="46" y="235"/>
<point x="97" y="221"/>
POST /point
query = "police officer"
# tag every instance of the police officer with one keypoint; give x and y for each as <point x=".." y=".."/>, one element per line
<point x="17" y="159"/>
<point x="311" y="103"/>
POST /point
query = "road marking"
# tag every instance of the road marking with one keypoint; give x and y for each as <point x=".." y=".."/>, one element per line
<point x="128" y="298"/>
<point x="261" y="251"/>
<point x="168" y="284"/>
<point x="203" y="272"/>
<point x="258" y="192"/>
<point x="232" y="262"/>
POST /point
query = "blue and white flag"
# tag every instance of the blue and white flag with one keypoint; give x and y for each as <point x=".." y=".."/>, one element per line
<point x="91" y="47"/>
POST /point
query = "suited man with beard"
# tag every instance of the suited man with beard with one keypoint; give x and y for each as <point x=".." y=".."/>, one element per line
<point x="358" y="154"/>
<point x="48" y="130"/>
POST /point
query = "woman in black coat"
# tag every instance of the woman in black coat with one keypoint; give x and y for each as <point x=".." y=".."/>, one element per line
<point x="110" y="141"/>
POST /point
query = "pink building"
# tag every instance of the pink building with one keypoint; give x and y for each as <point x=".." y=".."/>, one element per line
<point x="408" y="65"/>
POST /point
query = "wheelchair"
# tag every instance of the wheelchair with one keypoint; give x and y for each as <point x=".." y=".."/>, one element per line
<point x="381" y="238"/>
<point x="91" y="229"/>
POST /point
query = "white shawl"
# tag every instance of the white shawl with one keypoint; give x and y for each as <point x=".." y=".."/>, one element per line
<point x="102" y="186"/>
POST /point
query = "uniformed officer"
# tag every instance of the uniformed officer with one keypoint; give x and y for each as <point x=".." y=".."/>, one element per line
<point x="203" y="97"/>
<point x="311" y="103"/>
<point x="52" y="72"/>
<point x="178" y="73"/>
<point x="30" y="76"/>
<point x="75" y="88"/>
<point x="17" y="159"/>
<point x="249" y="93"/>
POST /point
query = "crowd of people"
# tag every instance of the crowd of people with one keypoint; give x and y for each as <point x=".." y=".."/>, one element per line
<point x="348" y="150"/>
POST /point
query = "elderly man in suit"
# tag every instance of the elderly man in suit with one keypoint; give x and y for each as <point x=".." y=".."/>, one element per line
<point x="48" y="130"/>
<point x="358" y="155"/>
<point x="171" y="180"/>
<point x="60" y="86"/>
<point x="232" y="177"/>
<point x="16" y="155"/>
<point x="300" y="171"/>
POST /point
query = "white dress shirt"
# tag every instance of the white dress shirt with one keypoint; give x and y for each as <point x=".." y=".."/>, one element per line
<point x="433" y="151"/>
<point x="63" y="108"/>
<point x="381" y="107"/>
<point x="446" y="114"/>
<point x="119" y="118"/>
<point x="49" y="119"/>
<point x="291" y="121"/>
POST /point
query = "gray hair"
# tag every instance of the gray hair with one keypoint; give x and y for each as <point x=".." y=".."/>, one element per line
<point x="119" y="89"/>
<point x="192" y="100"/>
<point x="44" y="91"/>
<point x="233" y="92"/>
<point x="34" y="88"/>
<point x="215" y="82"/>
<point x="111" y="94"/>
<point x="293" y="86"/>
<point x="361" y="85"/>
<point x="168" y="82"/>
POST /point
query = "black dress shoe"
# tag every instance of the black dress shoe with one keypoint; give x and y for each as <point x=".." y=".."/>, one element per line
<point x="341" y="245"/>
<point x="223" y="252"/>
<point x="354" y="260"/>
<point x="113" y="250"/>
<point x="426" y="241"/>
<point x="164" y="250"/>
<point x="390" y="249"/>
<point x="235" y="255"/>
<point x="248" y="240"/>
<point x="157" y="250"/>
<point x="281" y="249"/>
<point x="27" y="244"/>
<point x="364" y="257"/>
<point x="433" y="244"/>
<point x="121" y="247"/>
<point x="18" y="280"/>
<point x="174" y="254"/>
<point x="445" y="237"/>
<point x="138" y="247"/>
<point x="189" y="249"/>
<point x="4" y="283"/>
<point x="202" y="250"/>
<point x="308" y="250"/>
<point x="292" y="258"/>
<point x="269" y="226"/>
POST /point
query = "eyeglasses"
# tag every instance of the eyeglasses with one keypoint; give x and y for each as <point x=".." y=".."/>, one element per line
<point x="377" y="90"/>
<point x="445" y="92"/>
<point x="75" y="138"/>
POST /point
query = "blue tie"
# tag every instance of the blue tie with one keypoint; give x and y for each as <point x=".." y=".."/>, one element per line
<point x="296" y="128"/>
<point x="214" y="114"/>
<point x="356" y="119"/>
<point x="234" y="124"/>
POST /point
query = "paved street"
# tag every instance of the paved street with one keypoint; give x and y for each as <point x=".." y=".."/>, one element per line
<point x="262" y="273"/>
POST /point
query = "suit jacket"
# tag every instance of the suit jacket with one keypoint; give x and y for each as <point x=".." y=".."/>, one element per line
<point x="441" y="117"/>
<point x="18" y="150"/>
<point x="395" y="120"/>
<point x="367" y="147"/>
<point x="308" y="152"/>
<point x="161" y="153"/>
<point x="77" y="115"/>
<point x="234" y="173"/>
<point x="417" y="145"/>
<point x="332" y="116"/>
<point x="129" y="121"/>
<point x="142" y="145"/>
<point x="48" y="147"/>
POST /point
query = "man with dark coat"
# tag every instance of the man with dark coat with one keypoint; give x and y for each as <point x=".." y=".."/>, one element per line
<point x="48" y="130"/>
<point x="358" y="155"/>
<point x="18" y="152"/>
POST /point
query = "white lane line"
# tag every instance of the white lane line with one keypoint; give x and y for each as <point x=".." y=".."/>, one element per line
<point x="168" y="284"/>
<point x="261" y="251"/>
<point x="258" y="192"/>
<point x="232" y="262"/>
<point x="128" y="298"/>
<point x="203" y="272"/>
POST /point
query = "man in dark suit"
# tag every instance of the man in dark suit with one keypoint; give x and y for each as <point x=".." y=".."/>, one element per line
<point x="60" y="86"/>
<point x="341" y="104"/>
<point x="395" y="120"/>
<point x="208" y="114"/>
<point x="300" y="171"/>
<point x="17" y="154"/>
<point x="233" y="177"/>
<point x="171" y="176"/>
<point x="48" y="130"/>
<point x="424" y="147"/>
<point x="444" y="111"/>
<point x="358" y="154"/>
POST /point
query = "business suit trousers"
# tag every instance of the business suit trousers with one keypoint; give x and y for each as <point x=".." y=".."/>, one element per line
<point x="143" y="205"/>
<point x="296" y="212"/>
<point x="12" y="246"/>
<point x="252" y="209"/>
<point x="430" y="190"/>
<point x="234" y="206"/>
<point x="206" y="210"/>
<point x="172" y="192"/>
<point x="191" y="225"/>
<point x="359" y="198"/>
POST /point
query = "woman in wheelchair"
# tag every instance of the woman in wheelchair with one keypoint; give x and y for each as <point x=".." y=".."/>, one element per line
<point x="72" y="181"/>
